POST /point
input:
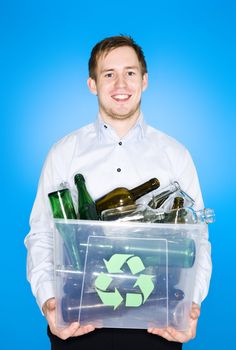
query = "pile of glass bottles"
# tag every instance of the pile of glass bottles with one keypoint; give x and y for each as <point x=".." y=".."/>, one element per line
<point x="169" y="205"/>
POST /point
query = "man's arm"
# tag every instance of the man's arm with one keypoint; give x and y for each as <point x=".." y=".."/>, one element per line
<point x="188" y="180"/>
<point x="185" y="173"/>
<point x="39" y="243"/>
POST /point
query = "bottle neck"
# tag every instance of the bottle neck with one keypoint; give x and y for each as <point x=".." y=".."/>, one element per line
<point x="160" y="198"/>
<point x="145" y="188"/>
<point x="178" y="203"/>
<point x="81" y="187"/>
<point x="206" y="215"/>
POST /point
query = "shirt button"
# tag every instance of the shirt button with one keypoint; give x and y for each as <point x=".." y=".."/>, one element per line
<point x="120" y="143"/>
<point x="119" y="170"/>
<point x="105" y="126"/>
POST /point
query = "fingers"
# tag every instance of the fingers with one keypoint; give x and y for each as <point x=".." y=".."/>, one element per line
<point x="84" y="330"/>
<point x="74" y="330"/>
<point x="51" y="304"/>
<point x="66" y="332"/>
<point x="164" y="333"/>
<point x="172" y="334"/>
<point x="195" y="312"/>
<point x="181" y="337"/>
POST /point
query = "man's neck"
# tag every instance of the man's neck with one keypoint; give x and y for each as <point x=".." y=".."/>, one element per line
<point x="121" y="126"/>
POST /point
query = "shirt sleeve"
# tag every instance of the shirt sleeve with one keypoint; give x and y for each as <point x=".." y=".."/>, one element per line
<point x="39" y="241"/>
<point x="188" y="180"/>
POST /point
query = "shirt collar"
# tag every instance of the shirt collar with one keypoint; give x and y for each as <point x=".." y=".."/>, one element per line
<point x="106" y="133"/>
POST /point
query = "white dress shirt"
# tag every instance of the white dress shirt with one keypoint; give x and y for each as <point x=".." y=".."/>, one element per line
<point x="107" y="162"/>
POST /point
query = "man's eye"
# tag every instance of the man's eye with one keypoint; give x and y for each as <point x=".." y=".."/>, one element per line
<point x="131" y="73"/>
<point x="109" y="75"/>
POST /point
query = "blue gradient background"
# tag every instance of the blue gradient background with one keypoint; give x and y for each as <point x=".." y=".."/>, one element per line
<point x="190" y="50"/>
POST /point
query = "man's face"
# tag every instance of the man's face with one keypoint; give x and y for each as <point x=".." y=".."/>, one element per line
<point x="119" y="84"/>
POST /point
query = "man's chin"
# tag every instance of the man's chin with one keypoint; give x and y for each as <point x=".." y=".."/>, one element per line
<point x="124" y="115"/>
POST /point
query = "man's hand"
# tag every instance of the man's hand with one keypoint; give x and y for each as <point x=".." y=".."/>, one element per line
<point x="73" y="330"/>
<point x="172" y="334"/>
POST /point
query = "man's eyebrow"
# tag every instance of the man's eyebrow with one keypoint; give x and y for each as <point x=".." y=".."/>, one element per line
<point x="107" y="70"/>
<point x="132" y="67"/>
<point x="112" y="69"/>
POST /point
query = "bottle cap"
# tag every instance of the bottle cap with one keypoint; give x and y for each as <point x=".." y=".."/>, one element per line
<point x="155" y="183"/>
<point x="178" y="201"/>
<point x="209" y="215"/>
<point x="78" y="177"/>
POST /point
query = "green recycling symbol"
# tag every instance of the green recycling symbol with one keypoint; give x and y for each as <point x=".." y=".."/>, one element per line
<point x="114" y="265"/>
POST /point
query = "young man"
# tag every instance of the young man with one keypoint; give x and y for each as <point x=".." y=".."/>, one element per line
<point x="119" y="149"/>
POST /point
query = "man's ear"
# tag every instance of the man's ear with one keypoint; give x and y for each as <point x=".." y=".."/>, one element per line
<point x="145" y="81"/>
<point x="92" y="85"/>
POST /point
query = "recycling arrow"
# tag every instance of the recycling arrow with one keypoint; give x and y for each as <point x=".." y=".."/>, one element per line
<point x="110" y="298"/>
<point x="135" y="264"/>
<point x="133" y="299"/>
<point x="146" y="285"/>
<point x="116" y="262"/>
<point x="102" y="281"/>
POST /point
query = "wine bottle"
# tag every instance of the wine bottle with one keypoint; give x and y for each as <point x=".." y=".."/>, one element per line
<point x="122" y="196"/>
<point x="71" y="308"/>
<point x="86" y="206"/>
<point x="63" y="208"/>
<point x="181" y="251"/>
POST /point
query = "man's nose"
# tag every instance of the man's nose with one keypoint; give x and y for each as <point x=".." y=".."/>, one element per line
<point x="120" y="81"/>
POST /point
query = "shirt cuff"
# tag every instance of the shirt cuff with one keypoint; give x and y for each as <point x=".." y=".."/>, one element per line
<point x="197" y="297"/>
<point x="45" y="292"/>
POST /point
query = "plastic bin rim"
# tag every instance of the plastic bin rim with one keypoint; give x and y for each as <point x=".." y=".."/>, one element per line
<point x="201" y="228"/>
<point x="128" y="223"/>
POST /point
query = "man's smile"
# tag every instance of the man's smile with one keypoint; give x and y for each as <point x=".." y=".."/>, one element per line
<point x="121" y="97"/>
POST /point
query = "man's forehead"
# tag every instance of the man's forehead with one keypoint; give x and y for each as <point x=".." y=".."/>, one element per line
<point x="122" y="56"/>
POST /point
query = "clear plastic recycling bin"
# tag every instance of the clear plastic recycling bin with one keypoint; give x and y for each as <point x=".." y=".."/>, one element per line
<point x="125" y="275"/>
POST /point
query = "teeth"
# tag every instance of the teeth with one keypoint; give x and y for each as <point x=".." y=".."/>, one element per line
<point x="121" y="97"/>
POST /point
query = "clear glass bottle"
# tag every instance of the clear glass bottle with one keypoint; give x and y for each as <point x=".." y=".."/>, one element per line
<point x="137" y="213"/>
<point x="164" y="198"/>
<point x="158" y="200"/>
<point x="188" y="215"/>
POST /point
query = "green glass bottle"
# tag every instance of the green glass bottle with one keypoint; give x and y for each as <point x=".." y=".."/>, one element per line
<point x="86" y="206"/>
<point x="121" y="196"/>
<point x="63" y="208"/>
<point x="62" y="204"/>
<point x="181" y="253"/>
